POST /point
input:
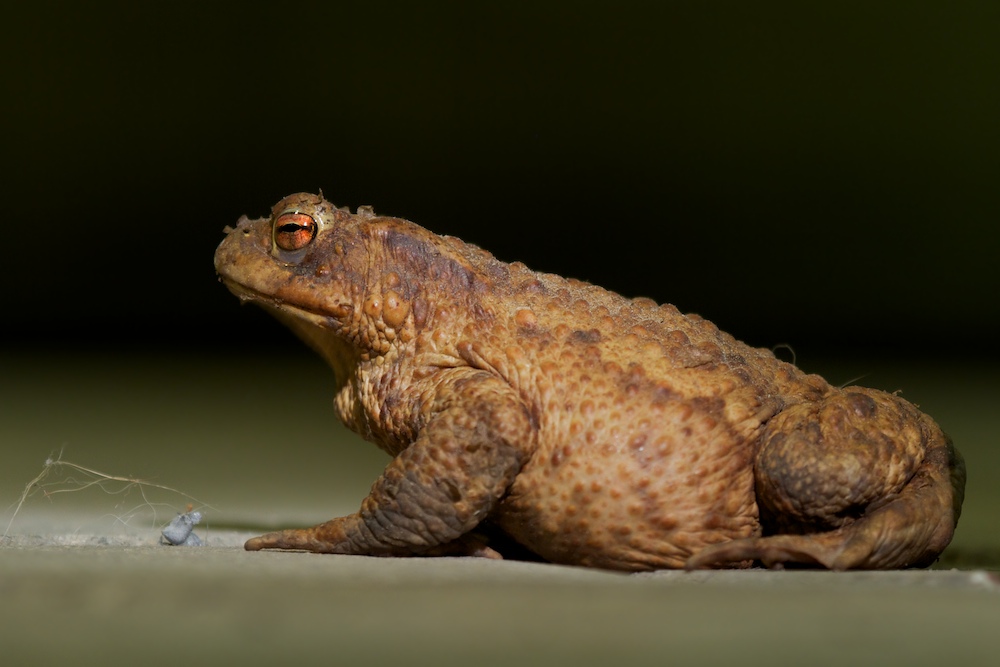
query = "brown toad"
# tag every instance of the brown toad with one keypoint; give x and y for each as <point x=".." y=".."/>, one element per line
<point x="590" y="428"/>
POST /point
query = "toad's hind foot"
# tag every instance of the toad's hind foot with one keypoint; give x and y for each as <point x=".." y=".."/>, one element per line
<point x="902" y="533"/>
<point x="834" y="550"/>
<point x="896" y="535"/>
<point x="773" y="552"/>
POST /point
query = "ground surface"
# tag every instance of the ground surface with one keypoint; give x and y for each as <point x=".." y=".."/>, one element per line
<point x="83" y="578"/>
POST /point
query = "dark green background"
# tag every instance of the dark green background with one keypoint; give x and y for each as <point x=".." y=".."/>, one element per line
<point x="821" y="175"/>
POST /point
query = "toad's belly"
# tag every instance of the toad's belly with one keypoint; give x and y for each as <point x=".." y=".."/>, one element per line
<point x="634" y="496"/>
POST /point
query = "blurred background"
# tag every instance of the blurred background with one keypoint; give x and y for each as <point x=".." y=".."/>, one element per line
<point x="822" y="176"/>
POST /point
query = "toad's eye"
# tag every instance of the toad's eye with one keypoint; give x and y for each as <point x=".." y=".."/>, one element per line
<point x="294" y="231"/>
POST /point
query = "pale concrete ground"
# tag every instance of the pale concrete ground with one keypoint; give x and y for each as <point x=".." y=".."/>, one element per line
<point x="83" y="579"/>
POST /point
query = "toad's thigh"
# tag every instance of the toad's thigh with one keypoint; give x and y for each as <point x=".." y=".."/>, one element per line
<point x="823" y="464"/>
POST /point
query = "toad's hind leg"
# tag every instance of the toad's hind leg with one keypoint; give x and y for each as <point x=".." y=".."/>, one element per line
<point x="860" y="479"/>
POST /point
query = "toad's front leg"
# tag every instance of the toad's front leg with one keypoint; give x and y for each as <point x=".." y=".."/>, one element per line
<point x="446" y="482"/>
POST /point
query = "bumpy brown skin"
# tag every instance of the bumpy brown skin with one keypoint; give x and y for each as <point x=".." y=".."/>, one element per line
<point x="590" y="428"/>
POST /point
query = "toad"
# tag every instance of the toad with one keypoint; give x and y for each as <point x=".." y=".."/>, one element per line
<point x="579" y="425"/>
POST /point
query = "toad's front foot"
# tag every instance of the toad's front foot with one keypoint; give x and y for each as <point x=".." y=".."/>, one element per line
<point x="300" y="539"/>
<point x="305" y="539"/>
<point x="260" y="542"/>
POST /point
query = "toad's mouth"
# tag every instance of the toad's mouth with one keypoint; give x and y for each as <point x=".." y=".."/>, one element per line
<point x="286" y="311"/>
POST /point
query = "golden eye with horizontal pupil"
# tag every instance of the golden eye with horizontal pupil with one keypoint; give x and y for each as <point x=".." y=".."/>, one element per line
<point x="294" y="231"/>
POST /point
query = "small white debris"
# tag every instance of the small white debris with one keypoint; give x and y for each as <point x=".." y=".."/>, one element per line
<point x="180" y="531"/>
